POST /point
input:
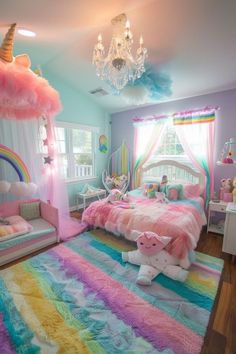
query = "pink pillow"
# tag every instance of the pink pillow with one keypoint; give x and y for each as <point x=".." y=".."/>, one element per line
<point x="17" y="226"/>
<point x="173" y="194"/>
<point x="192" y="190"/>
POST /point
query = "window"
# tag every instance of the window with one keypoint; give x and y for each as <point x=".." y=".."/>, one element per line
<point x="76" y="149"/>
<point x="170" y="146"/>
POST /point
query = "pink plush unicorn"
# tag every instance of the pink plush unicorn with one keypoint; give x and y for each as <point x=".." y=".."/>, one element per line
<point x="153" y="259"/>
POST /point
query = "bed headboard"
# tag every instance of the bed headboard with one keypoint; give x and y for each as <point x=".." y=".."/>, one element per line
<point x="175" y="171"/>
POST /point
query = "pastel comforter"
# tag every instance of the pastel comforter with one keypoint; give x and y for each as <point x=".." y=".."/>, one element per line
<point x="181" y="220"/>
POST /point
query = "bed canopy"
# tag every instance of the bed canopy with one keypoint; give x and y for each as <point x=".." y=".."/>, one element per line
<point x="25" y="98"/>
<point x="23" y="94"/>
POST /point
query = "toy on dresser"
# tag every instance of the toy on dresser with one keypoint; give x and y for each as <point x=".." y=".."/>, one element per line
<point x="234" y="190"/>
<point x="226" y="190"/>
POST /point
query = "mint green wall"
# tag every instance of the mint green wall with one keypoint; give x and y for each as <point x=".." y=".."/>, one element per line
<point x="78" y="108"/>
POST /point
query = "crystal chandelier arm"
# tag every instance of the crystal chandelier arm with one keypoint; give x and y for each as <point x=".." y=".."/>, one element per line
<point x="119" y="66"/>
<point x="98" y="52"/>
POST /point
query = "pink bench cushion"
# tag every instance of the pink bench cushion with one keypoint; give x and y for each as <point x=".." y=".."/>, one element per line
<point x="18" y="226"/>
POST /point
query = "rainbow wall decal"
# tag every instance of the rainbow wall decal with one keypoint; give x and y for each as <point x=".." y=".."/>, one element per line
<point x="16" y="162"/>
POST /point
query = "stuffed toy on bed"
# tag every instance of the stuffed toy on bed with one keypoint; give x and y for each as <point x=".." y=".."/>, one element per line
<point x="153" y="259"/>
<point x="116" y="195"/>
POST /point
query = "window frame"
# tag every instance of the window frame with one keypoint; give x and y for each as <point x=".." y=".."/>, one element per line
<point x="69" y="145"/>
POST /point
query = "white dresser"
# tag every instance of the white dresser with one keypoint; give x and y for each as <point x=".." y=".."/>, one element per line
<point x="229" y="240"/>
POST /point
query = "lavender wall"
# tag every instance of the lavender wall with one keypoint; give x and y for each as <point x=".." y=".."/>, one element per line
<point x="122" y="125"/>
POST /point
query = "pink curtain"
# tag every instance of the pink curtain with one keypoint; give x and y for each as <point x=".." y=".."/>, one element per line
<point x="197" y="140"/>
<point x="56" y="191"/>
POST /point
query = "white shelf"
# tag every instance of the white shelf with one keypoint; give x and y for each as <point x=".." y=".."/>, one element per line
<point x="216" y="229"/>
<point x="219" y="163"/>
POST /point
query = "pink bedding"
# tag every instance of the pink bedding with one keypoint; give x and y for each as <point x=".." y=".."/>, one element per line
<point x="181" y="220"/>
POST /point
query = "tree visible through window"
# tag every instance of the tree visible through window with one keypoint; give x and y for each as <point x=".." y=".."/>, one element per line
<point x="170" y="144"/>
<point x="169" y="148"/>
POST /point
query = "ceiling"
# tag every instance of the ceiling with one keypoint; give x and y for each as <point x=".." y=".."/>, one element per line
<point x="192" y="41"/>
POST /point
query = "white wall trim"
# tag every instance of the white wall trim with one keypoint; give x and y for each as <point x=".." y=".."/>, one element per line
<point x="78" y="126"/>
<point x="76" y="207"/>
<point x="80" y="180"/>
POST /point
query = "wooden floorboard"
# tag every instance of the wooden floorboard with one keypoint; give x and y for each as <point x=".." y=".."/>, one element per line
<point x="222" y="314"/>
<point x="221" y="334"/>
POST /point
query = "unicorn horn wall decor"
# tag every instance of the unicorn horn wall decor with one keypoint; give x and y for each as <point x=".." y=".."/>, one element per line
<point x="7" y="45"/>
<point x="6" y="50"/>
<point x="23" y="94"/>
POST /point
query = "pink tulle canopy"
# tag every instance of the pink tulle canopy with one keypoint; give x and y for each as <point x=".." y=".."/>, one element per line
<point x="25" y="95"/>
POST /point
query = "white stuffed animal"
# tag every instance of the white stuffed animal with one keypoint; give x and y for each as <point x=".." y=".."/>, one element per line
<point x="153" y="259"/>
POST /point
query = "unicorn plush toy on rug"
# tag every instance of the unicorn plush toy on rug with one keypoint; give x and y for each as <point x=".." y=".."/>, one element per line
<point x="153" y="259"/>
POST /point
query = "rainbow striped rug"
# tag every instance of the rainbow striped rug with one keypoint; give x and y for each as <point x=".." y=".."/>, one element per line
<point x="79" y="297"/>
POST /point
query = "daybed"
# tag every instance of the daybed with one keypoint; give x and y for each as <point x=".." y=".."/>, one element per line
<point x="44" y="231"/>
<point x="180" y="219"/>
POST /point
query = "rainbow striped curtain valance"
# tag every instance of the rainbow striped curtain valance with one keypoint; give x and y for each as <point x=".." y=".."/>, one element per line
<point x="205" y="117"/>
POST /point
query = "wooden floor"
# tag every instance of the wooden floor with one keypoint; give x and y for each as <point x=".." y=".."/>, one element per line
<point x="221" y="335"/>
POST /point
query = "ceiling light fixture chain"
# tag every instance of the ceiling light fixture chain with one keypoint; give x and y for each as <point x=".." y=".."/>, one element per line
<point x="119" y="66"/>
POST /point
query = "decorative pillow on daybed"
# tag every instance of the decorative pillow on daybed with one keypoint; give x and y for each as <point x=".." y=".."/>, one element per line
<point x="17" y="226"/>
<point x="30" y="211"/>
<point x="192" y="190"/>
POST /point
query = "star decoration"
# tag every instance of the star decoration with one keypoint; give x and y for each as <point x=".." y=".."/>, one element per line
<point x="48" y="160"/>
<point x="45" y="142"/>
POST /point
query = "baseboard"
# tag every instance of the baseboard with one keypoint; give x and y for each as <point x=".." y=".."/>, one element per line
<point x="73" y="208"/>
<point x="78" y="207"/>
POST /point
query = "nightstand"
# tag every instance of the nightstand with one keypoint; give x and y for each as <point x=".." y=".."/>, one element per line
<point x="218" y="208"/>
<point x="229" y="241"/>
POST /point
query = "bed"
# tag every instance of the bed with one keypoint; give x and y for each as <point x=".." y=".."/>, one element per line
<point x="80" y="297"/>
<point x="182" y="220"/>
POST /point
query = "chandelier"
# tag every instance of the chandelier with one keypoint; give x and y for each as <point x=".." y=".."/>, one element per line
<point x="119" y="66"/>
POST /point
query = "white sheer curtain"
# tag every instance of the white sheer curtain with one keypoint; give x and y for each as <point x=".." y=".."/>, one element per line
<point x="147" y="137"/>
<point x="198" y="140"/>
<point x="23" y="138"/>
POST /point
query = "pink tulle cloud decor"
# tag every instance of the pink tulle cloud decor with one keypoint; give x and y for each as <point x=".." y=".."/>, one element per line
<point x="23" y="94"/>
